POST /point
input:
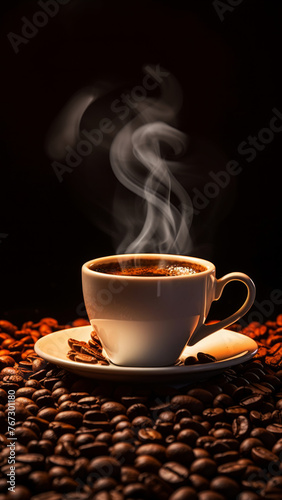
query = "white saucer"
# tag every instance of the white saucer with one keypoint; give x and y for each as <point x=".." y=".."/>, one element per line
<point x="228" y="347"/>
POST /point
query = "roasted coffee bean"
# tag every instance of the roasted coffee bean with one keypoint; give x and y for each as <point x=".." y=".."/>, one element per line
<point x="25" y="392"/>
<point x="184" y="493"/>
<point x="76" y="396"/>
<point x="223" y="433"/>
<point x="156" y="487"/>
<point x="180" y="452"/>
<point x="112" y="408"/>
<point x="200" y="453"/>
<point x="64" y="484"/>
<point x="275" y="429"/>
<point x="232" y="469"/>
<point x="104" y="466"/>
<point x="127" y="435"/>
<point x="205" y="442"/>
<point x="43" y="446"/>
<point x="182" y="413"/>
<point x="142" y="422"/>
<point x="213" y="415"/>
<point x="3" y="396"/>
<point x="123" y="452"/>
<point x="39" y="393"/>
<point x="204" y="467"/>
<point x="201" y="394"/>
<point x="248" y="444"/>
<point x="24" y="435"/>
<point x="76" y="344"/>
<point x="35" y="460"/>
<point x="225" y="457"/>
<point x="137" y="410"/>
<point x="40" y="422"/>
<point x="66" y="438"/>
<point x="104" y="484"/>
<point x="18" y="493"/>
<point x="7" y="327"/>
<point x="154" y="450"/>
<point x="198" y="482"/>
<point x="235" y="411"/>
<point x="67" y="406"/>
<point x="165" y="428"/>
<point x="223" y="401"/>
<point x="188" y="436"/>
<point x="174" y="474"/>
<point x="6" y="361"/>
<point x="33" y="426"/>
<point x="39" y="481"/>
<point x="105" y="437"/>
<point x="277" y="448"/>
<point x="225" y="486"/>
<point x="205" y="358"/>
<point x="215" y="389"/>
<point x="135" y="490"/>
<point x="190" y="423"/>
<point x="57" y="393"/>
<point x="117" y="419"/>
<point x="33" y="383"/>
<point x="241" y="427"/>
<point x="265" y="436"/>
<point x="148" y="435"/>
<point x="45" y="401"/>
<point x="57" y="460"/>
<point x="190" y="360"/>
<point x="260" y="419"/>
<point x="184" y="401"/>
<point x="170" y="439"/>
<point x="95" y="416"/>
<point x="22" y="471"/>
<point x="263" y="456"/>
<point x="71" y="417"/>
<point x="66" y="449"/>
<point x="50" y="435"/>
<point x="83" y="358"/>
<point x="129" y="474"/>
<point x="97" y="426"/>
<point x="84" y="438"/>
<point x="210" y="495"/>
<point x="60" y="428"/>
<point x="50" y="495"/>
<point x="274" y="483"/>
<point x="147" y="463"/>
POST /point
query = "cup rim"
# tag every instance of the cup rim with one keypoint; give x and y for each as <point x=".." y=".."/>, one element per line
<point x="210" y="267"/>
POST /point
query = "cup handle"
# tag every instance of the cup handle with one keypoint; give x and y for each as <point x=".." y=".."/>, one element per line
<point x="205" y="330"/>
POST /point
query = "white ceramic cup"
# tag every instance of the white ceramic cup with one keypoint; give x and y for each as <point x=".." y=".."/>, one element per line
<point x="147" y="321"/>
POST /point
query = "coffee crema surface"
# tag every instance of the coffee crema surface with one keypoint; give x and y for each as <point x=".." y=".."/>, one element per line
<point x="148" y="267"/>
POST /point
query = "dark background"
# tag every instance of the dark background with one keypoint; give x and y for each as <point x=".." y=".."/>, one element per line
<point x="229" y="71"/>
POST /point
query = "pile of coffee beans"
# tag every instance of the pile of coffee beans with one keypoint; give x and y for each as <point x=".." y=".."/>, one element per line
<point x="269" y="339"/>
<point x="79" y="439"/>
<point x="87" y="352"/>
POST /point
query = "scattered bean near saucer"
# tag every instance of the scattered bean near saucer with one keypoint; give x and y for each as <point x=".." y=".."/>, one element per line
<point x="86" y="352"/>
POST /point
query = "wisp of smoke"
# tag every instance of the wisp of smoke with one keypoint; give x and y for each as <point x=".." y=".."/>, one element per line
<point x="141" y="163"/>
<point x="167" y="221"/>
<point x="168" y="207"/>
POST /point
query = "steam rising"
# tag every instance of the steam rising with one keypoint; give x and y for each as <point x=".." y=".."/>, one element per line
<point x="151" y="208"/>
<point x="168" y="208"/>
<point x="166" y="225"/>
